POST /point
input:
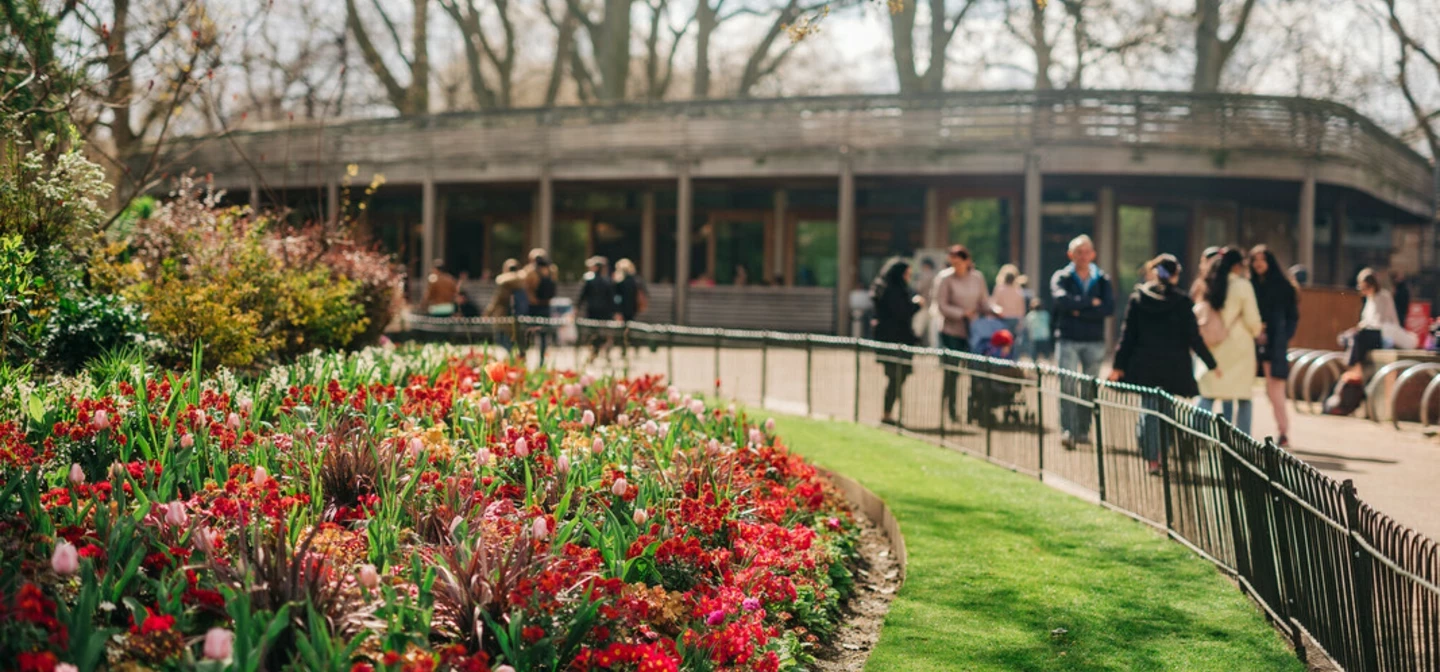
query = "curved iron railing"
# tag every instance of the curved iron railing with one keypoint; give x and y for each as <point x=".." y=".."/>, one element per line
<point x="1324" y="566"/>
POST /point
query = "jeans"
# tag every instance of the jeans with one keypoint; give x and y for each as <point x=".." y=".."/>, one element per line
<point x="1151" y="430"/>
<point x="952" y="374"/>
<point x="1084" y="357"/>
<point x="1237" y="411"/>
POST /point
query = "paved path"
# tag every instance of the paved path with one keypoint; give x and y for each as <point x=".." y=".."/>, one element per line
<point x="1396" y="471"/>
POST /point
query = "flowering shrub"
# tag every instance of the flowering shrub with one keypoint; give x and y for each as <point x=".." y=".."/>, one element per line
<point x="423" y="509"/>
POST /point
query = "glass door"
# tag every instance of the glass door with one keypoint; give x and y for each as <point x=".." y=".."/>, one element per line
<point x="739" y="251"/>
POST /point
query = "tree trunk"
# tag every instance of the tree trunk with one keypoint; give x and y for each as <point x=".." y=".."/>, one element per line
<point x="613" y="50"/>
<point x="564" y="45"/>
<point x="934" y="79"/>
<point x="122" y="80"/>
<point x="705" y="23"/>
<point x="1041" y="44"/>
<point x="1207" y="47"/>
<point x="756" y="66"/>
<point x="902" y="35"/>
<point x="419" y="98"/>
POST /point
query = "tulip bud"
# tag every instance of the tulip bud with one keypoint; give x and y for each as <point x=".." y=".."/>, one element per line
<point x="101" y="419"/>
<point x="586" y="380"/>
<point x="755" y="437"/>
<point x="416" y="446"/>
<point x="502" y="394"/>
<point x="65" y="561"/>
<point x="587" y="418"/>
<point x="260" y="476"/>
<point x="175" y="514"/>
<point x="598" y="446"/>
<point x="640" y="516"/>
<point x="66" y="667"/>
<point x="218" y="644"/>
<point x="620" y="389"/>
<point x="504" y="668"/>
<point x="623" y="419"/>
<point x="467" y="383"/>
<point x="522" y="447"/>
<point x="483" y="456"/>
<point x="769" y="425"/>
<point x="620" y="487"/>
<point x="562" y="465"/>
<point x="697" y="407"/>
<point x="485" y="406"/>
<point x="714" y="445"/>
<point x="651" y="428"/>
<point x="246" y="405"/>
<point x="369" y="577"/>
<point x="651" y="406"/>
<point x="233" y="421"/>
<point x="541" y="529"/>
<point x="117" y="470"/>
<point x="674" y="395"/>
<point x="730" y="409"/>
<point x="187" y="440"/>
<point x="77" y="475"/>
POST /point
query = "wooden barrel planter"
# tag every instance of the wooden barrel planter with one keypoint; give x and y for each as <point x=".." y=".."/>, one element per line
<point x="1294" y="356"/>
<point x="1315" y="375"/>
<point x="1408" y="394"/>
<point x="1379" y="387"/>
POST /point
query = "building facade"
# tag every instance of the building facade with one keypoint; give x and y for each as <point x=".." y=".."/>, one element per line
<point x="807" y="197"/>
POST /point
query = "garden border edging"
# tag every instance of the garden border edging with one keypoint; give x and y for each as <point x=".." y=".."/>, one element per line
<point x="874" y="508"/>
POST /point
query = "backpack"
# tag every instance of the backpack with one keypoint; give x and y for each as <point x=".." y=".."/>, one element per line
<point x="545" y="290"/>
<point x="1212" y="327"/>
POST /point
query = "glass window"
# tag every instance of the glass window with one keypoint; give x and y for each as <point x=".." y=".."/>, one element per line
<point x="982" y="225"/>
<point x="569" y="246"/>
<point x="507" y="241"/>
<point x="392" y="219"/>
<point x="617" y="237"/>
<point x="816" y="253"/>
<point x="740" y="252"/>
<point x="1137" y="246"/>
<point x="885" y="236"/>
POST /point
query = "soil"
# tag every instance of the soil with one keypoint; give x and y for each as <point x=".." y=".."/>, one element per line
<point x="877" y="577"/>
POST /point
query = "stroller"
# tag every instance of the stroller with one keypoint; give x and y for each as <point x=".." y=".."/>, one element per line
<point x="995" y="401"/>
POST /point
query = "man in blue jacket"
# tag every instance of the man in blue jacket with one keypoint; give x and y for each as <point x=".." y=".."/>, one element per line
<point x="1082" y="298"/>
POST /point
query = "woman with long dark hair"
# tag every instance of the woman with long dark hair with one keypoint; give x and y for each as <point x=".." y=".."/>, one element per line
<point x="895" y="307"/>
<point x="1231" y="299"/>
<point x="1156" y="340"/>
<point x="1279" y="299"/>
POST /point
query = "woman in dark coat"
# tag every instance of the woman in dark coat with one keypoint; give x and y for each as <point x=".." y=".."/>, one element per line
<point x="1279" y="301"/>
<point x="895" y="307"/>
<point x="1156" y="340"/>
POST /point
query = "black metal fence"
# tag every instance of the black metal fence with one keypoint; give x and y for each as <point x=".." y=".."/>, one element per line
<point x="1318" y="560"/>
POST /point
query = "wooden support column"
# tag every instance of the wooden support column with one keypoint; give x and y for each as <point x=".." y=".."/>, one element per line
<point x="427" y="227"/>
<point x="1108" y="252"/>
<point x="777" y="263"/>
<point x="1032" y="216"/>
<point x="683" y="227"/>
<point x="1307" y="223"/>
<point x="254" y="195"/>
<point x="935" y="234"/>
<point x="332" y="202"/>
<point x="847" y="240"/>
<point x="544" y="211"/>
<point x="647" y="235"/>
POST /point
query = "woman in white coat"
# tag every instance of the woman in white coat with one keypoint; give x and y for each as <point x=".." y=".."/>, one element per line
<point x="1232" y="298"/>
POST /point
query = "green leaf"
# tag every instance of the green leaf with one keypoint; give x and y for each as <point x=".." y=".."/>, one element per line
<point x="37" y="409"/>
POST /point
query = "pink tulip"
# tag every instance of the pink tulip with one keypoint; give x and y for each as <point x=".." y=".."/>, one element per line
<point x="246" y="406"/>
<point x="369" y="577"/>
<point x="541" y="528"/>
<point x="651" y="406"/>
<point x="187" y="440"/>
<point x="65" y="561"/>
<point x="714" y="445"/>
<point x="730" y="409"/>
<point x="101" y="419"/>
<point x="485" y="406"/>
<point x="175" y="514"/>
<point x="467" y="383"/>
<point x="416" y="446"/>
<point x="620" y="487"/>
<point x="233" y="421"/>
<point x="769" y="425"/>
<point x="77" y="475"/>
<point x="620" y="389"/>
<point x="502" y="394"/>
<point x="562" y="465"/>
<point x="697" y="407"/>
<point x="674" y="395"/>
<point x="66" y="667"/>
<point x="483" y="455"/>
<point x="640" y="516"/>
<point x="504" y="668"/>
<point x="219" y="644"/>
<point x="651" y="428"/>
<point x="260" y="476"/>
<point x="715" y="618"/>
<point x="587" y="380"/>
<point x="587" y="418"/>
<point x="623" y="419"/>
<point x="755" y="437"/>
<point x="522" y="447"/>
<point x="598" y="446"/>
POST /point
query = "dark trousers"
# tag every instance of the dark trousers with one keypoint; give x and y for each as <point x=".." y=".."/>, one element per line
<point x="895" y="374"/>
<point x="1152" y="430"/>
<point x="952" y="374"/>
<point x="1362" y="343"/>
<point x="542" y="333"/>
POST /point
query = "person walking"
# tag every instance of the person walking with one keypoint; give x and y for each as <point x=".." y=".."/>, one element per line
<point x="1279" y="300"/>
<point x="597" y="299"/>
<point x="1230" y="298"/>
<point x="509" y="300"/>
<point x="440" y="291"/>
<point x="1083" y="298"/>
<point x="1009" y="300"/>
<point x="1037" y="332"/>
<point x="895" y="307"/>
<point x="961" y="297"/>
<point x="629" y="293"/>
<point x="1156" y="339"/>
<point x="541" y="288"/>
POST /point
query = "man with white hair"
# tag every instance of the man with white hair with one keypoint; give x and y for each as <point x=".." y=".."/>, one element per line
<point x="1082" y="298"/>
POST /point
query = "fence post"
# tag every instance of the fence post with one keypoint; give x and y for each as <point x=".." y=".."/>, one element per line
<point x="717" y="364"/>
<point x="809" y="377"/>
<point x="764" y="365"/>
<point x="941" y="397"/>
<point x="1361" y="571"/>
<point x="987" y="415"/>
<point x="1040" y="422"/>
<point x="857" y="381"/>
<point x="670" y="355"/>
<point x="1093" y="385"/>
<point x="1284" y="562"/>
<point x="1166" y="422"/>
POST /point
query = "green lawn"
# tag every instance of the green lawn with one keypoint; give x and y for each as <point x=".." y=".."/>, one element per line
<point x="1000" y="563"/>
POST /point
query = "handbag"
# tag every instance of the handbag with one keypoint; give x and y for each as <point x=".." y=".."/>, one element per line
<point x="1212" y="327"/>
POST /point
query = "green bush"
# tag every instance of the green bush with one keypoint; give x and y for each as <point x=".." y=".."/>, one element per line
<point x="80" y="329"/>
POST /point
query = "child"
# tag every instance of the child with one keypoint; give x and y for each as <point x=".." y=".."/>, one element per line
<point x="1037" y="331"/>
<point x="1002" y="345"/>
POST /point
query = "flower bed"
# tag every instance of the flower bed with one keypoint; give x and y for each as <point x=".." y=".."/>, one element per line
<point x="422" y="509"/>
